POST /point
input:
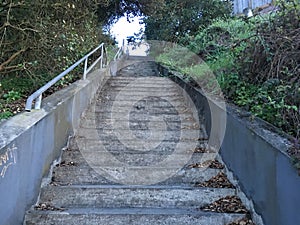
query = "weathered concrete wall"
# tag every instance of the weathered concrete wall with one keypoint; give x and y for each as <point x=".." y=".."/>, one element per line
<point x="257" y="157"/>
<point x="31" y="141"/>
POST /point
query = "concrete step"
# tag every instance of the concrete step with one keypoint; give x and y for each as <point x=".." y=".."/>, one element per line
<point x="136" y="91"/>
<point x="144" y="59"/>
<point x="85" y="174"/>
<point x="140" y="83"/>
<point x="140" y="136"/>
<point x="126" y="94"/>
<point x="77" y="157"/>
<point x="136" y="124"/>
<point x="142" y="104"/>
<point x="129" y="216"/>
<point x="92" y="115"/>
<point x="123" y="111"/>
<point x="140" y="88"/>
<point x="143" y="84"/>
<point x="130" y="197"/>
<point x="101" y="150"/>
<point x="150" y="79"/>
<point x="77" y="142"/>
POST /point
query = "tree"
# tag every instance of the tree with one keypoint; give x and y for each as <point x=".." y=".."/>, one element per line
<point x="178" y="18"/>
<point x="40" y="38"/>
<point x="111" y="10"/>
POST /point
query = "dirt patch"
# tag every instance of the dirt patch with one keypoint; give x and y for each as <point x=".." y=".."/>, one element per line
<point x="229" y="204"/>
<point x="218" y="181"/>
<point x="213" y="164"/>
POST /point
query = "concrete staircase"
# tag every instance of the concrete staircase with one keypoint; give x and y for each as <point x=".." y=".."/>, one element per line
<point x="139" y="157"/>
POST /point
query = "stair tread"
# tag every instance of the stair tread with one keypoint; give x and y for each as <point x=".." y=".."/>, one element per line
<point x="170" y="217"/>
<point x="89" y="196"/>
<point x="131" y="211"/>
<point x="87" y="175"/>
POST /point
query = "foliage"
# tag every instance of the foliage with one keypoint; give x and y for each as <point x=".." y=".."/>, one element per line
<point x="5" y="114"/>
<point x="39" y="39"/>
<point x="165" y="19"/>
<point x="12" y="96"/>
<point x="224" y="46"/>
<point x="177" y="19"/>
<point x="271" y="61"/>
<point x="111" y="10"/>
<point x="214" y="45"/>
<point x="220" y="44"/>
<point x="274" y="53"/>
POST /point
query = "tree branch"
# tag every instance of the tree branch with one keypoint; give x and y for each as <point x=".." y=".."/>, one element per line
<point x="15" y="55"/>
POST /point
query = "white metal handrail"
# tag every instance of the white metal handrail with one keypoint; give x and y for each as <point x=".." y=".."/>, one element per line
<point x="37" y="95"/>
<point x="121" y="51"/>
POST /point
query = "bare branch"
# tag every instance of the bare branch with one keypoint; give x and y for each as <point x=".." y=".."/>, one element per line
<point x="15" y="55"/>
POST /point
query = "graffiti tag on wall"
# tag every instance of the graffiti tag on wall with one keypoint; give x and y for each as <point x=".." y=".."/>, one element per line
<point x="6" y="160"/>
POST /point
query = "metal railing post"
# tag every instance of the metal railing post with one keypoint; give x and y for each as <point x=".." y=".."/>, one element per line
<point x="101" y="60"/>
<point x="120" y="51"/>
<point x="38" y="102"/>
<point x="85" y="69"/>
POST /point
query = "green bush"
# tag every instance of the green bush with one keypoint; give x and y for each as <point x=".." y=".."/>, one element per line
<point x="12" y="96"/>
<point x="230" y="48"/>
<point x="271" y="62"/>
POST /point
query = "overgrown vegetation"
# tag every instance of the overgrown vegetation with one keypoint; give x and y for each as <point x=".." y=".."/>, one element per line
<point x="271" y="62"/>
<point x="176" y="18"/>
<point x="256" y="62"/>
<point x="38" y="40"/>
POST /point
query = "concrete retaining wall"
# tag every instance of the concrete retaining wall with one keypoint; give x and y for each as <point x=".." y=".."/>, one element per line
<point x="31" y="141"/>
<point x="257" y="157"/>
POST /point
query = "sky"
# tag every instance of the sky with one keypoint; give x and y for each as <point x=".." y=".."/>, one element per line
<point x="122" y="28"/>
